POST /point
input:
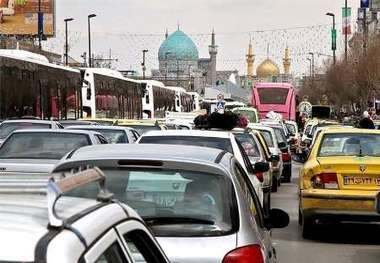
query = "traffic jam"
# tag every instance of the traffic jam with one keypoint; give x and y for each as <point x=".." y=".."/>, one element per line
<point x="121" y="170"/>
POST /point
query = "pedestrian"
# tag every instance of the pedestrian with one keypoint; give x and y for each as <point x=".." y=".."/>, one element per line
<point x="366" y="122"/>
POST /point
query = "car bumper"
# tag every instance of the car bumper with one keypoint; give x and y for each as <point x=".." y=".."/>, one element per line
<point x="339" y="205"/>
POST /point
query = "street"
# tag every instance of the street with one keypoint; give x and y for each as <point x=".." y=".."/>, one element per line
<point x="341" y="243"/>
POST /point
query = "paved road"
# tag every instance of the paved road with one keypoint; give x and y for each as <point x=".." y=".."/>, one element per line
<point x="340" y="243"/>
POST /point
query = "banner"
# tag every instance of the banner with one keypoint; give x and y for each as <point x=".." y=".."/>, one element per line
<point x="346" y="25"/>
<point x="20" y="17"/>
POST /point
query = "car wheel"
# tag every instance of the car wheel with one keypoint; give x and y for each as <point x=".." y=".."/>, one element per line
<point x="307" y="227"/>
<point x="274" y="184"/>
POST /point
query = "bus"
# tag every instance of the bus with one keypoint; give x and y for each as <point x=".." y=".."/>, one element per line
<point x="183" y="100"/>
<point x="108" y="94"/>
<point x="277" y="97"/>
<point x="196" y="100"/>
<point x="157" y="99"/>
<point x="31" y="86"/>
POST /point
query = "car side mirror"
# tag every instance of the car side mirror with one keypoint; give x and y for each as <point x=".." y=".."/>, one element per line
<point x="277" y="219"/>
<point x="309" y="136"/>
<point x="261" y="167"/>
<point x="275" y="158"/>
<point x="282" y="145"/>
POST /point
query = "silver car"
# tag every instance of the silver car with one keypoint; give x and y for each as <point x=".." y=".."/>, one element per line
<point x="198" y="201"/>
<point x="114" y="134"/>
<point x="37" y="151"/>
<point x="83" y="230"/>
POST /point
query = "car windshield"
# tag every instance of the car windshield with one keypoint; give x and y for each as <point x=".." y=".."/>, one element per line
<point x="8" y="128"/>
<point x="249" y="145"/>
<point x="141" y="129"/>
<point x="212" y="142"/>
<point x="350" y="145"/>
<point x="268" y="138"/>
<point x="112" y="135"/>
<point x="273" y="95"/>
<point x="250" y="115"/>
<point x="41" y="145"/>
<point x="279" y="135"/>
<point x="173" y="202"/>
<point x="291" y="128"/>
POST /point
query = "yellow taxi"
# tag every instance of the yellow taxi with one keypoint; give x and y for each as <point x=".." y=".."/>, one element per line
<point x="341" y="178"/>
<point x="142" y="126"/>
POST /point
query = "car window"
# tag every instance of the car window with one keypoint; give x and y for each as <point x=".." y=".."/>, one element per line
<point x="102" y="139"/>
<point x="249" y="145"/>
<point x="212" y="142"/>
<point x="267" y="137"/>
<point x="135" y="135"/>
<point x="112" y="136"/>
<point x="250" y="195"/>
<point x="173" y="202"/>
<point x="41" y="145"/>
<point x="247" y="161"/>
<point x="113" y="254"/>
<point x="291" y="128"/>
<point x="263" y="145"/>
<point x="8" y="128"/>
<point x="279" y="135"/>
<point x="141" y="129"/>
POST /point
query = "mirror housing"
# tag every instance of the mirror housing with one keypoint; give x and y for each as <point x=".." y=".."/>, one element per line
<point x="282" y="145"/>
<point x="261" y="167"/>
<point x="277" y="219"/>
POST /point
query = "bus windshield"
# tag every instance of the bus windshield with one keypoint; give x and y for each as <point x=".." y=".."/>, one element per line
<point x="273" y="95"/>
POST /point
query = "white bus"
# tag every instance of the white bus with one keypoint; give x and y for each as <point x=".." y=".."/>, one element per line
<point x="196" y="101"/>
<point x="107" y="93"/>
<point x="183" y="100"/>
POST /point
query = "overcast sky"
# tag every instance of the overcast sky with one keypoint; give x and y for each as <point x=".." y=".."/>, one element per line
<point x="119" y="20"/>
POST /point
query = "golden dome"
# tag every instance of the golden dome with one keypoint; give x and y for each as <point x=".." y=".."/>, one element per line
<point x="267" y="69"/>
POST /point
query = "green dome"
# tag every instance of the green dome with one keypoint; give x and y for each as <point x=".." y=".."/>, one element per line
<point x="178" y="46"/>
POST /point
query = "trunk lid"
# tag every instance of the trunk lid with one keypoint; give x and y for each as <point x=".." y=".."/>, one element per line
<point x="26" y="166"/>
<point x="353" y="173"/>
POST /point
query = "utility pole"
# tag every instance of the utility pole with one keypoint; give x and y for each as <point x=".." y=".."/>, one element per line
<point x="143" y="62"/>
<point x="67" y="41"/>
<point x="312" y="64"/>
<point x="345" y="33"/>
<point x="40" y="25"/>
<point x="89" y="40"/>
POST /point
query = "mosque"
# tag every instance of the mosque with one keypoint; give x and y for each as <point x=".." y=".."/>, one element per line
<point x="180" y="65"/>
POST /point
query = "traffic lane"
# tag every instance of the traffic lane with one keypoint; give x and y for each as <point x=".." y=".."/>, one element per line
<point x="341" y="243"/>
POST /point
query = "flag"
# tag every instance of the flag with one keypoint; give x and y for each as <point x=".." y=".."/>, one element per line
<point x="346" y="26"/>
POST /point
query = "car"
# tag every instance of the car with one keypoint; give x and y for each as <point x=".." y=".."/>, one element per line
<point x="294" y="135"/>
<point x="196" y="200"/>
<point x="142" y="126"/>
<point x="68" y="123"/>
<point x="114" y="134"/>
<point x="249" y="112"/>
<point x="102" y="121"/>
<point x="285" y="150"/>
<point x="8" y="126"/>
<point x="37" y="151"/>
<point x="339" y="181"/>
<point x="256" y="153"/>
<point x="31" y="230"/>
<point x="271" y="140"/>
<point x="223" y="140"/>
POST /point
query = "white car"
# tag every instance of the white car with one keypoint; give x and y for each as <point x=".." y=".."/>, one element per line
<point x="37" y="151"/>
<point x="83" y="230"/>
<point x="270" y="138"/>
<point x="294" y="134"/>
<point x="9" y="126"/>
<point x="222" y="140"/>
<point x="114" y="134"/>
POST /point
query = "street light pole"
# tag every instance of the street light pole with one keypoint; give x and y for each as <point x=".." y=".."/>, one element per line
<point x="67" y="41"/>
<point x="333" y="34"/>
<point x="312" y="63"/>
<point x="39" y="25"/>
<point x="143" y="63"/>
<point x="89" y="40"/>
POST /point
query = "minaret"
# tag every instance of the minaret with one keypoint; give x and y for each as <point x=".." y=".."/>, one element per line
<point x="213" y="51"/>
<point x="287" y="61"/>
<point x="250" y="60"/>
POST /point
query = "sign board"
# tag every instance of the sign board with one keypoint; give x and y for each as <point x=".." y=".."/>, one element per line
<point x="364" y="3"/>
<point x="375" y="5"/>
<point x="21" y="17"/>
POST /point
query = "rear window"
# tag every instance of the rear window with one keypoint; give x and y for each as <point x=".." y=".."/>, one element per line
<point x="249" y="145"/>
<point x="112" y="136"/>
<point x="41" y="145"/>
<point x="268" y="138"/>
<point x="8" y="128"/>
<point x="143" y="129"/>
<point x="173" y="202"/>
<point x="273" y="95"/>
<point x="218" y="143"/>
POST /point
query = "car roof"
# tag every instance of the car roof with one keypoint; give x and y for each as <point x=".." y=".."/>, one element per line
<point x="57" y="131"/>
<point x="28" y="121"/>
<point x="350" y="130"/>
<point x="260" y="127"/>
<point x="195" y="133"/>
<point x="97" y="127"/>
<point x="146" y="151"/>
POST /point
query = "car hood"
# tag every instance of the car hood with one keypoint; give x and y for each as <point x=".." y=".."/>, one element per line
<point x="26" y="166"/>
<point x="197" y="249"/>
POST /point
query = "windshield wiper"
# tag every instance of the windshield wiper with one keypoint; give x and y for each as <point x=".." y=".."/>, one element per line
<point x="167" y="220"/>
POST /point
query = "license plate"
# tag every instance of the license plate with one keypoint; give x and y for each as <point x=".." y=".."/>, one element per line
<point x="361" y="180"/>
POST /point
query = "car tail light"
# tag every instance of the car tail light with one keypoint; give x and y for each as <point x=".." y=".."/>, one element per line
<point x="260" y="176"/>
<point x="247" y="254"/>
<point x="286" y="157"/>
<point x="325" y="181"/>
